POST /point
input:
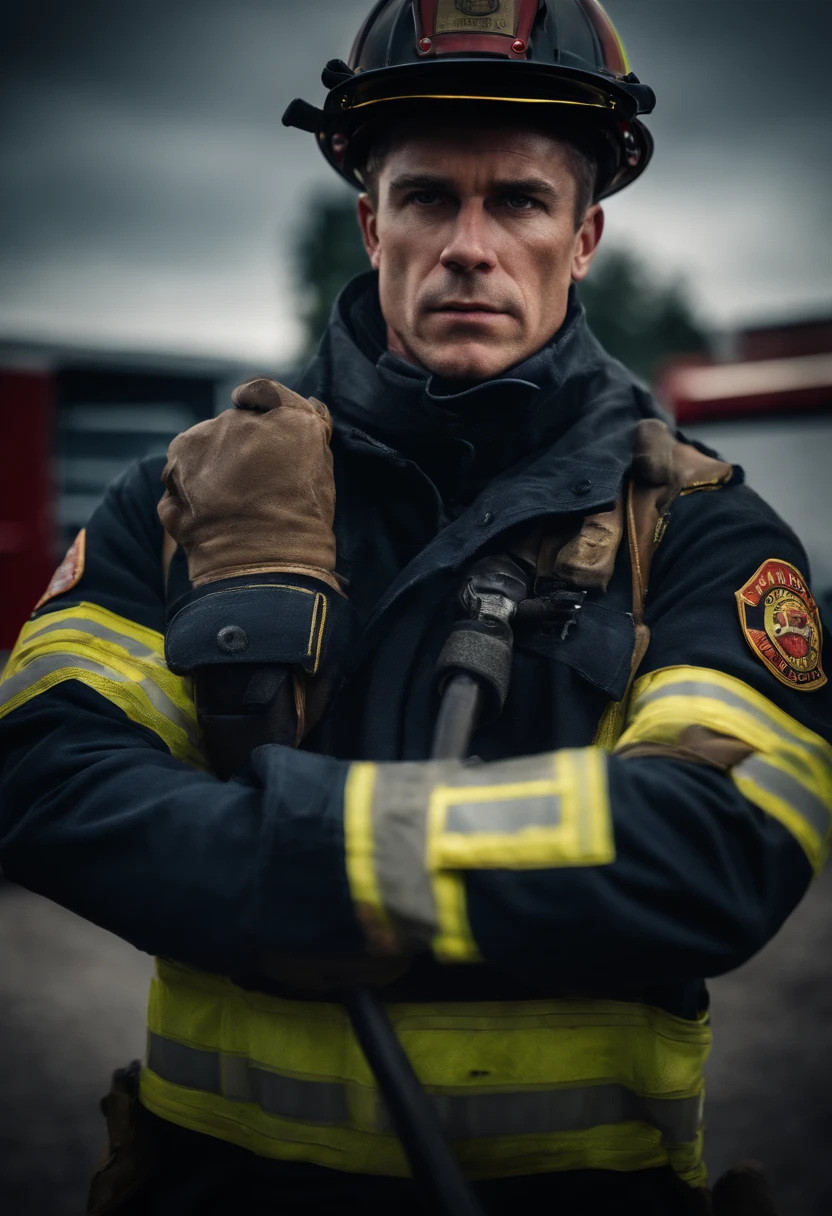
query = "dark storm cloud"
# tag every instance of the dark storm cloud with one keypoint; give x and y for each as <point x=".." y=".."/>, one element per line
<point x="738" y="193"/>
<point x="149" y="189"/>
<point x="150" y="194"/>
<point x="730" y="65"/>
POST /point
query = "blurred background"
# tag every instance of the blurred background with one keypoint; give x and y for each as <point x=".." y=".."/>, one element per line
<point x="163" y="237"/>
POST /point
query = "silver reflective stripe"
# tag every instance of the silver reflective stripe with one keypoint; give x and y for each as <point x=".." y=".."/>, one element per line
<point x="399" y="828"/>
<point x="772" y="779"/>
<point x="464" y="1116"/>
<point x="504" y="817"/>
<point x="542" y="1112"/>
<point x="471" y="795"/>
<point x="239" y="1080"/>
<point x="509" y="815"/>
<point x="52" y="663"/>
<point x="715" y="692"/>
<point x="137" y="649"/>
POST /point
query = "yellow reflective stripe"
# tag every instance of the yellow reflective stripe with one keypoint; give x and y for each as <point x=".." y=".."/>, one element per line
<point x="560" y="819"/>
<point x="790" y="775"/>
<point x="111" y="654"/>
<point x="68" y="626"/>
<point x="774" y="789"/>
<point x="212" y="1012"/>
<point x="463" y="1115"/>
<point x="611" y="726"/>
<point x="726" y="691"/>
<point x="153" y="640"/>
<point x="623" y="1147"/>
<point x="517" y="1082"/>
<point x="454" y="943"/>
<point x="668" y="701"/>
<point x="593" y="813"/>
<point x="119" y="659"/>
<point x="687" y="1160"/>
<point x="90" y="624"/>
<point x="359" y="842"/>
<point x="132" y="698"/>
<point x="412" y="830"/>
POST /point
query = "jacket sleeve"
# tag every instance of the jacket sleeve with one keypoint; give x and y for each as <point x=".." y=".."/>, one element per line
<point x="643" y="867"/>
<point x="632" y="860"/>
<point x="105" y="804"/>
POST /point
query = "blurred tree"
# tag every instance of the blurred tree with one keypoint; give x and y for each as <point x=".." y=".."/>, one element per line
<point x="329" y="253"/>
<point x="640" y="318"/>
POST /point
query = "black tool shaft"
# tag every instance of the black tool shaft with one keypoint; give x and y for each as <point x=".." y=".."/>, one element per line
<point x="414" y="1118"/>
<point x="457" y="718"/>
<point x="434" y="1169"/>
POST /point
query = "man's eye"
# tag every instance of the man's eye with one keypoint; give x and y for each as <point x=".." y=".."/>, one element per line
<point x="425" y="198"/>
<point x="520" y="202"/>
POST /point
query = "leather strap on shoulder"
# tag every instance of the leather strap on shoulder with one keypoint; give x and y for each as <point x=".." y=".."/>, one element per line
<point x="583" y="553"/>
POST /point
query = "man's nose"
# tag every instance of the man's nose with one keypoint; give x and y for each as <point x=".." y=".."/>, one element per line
<point x="468" y="246"/>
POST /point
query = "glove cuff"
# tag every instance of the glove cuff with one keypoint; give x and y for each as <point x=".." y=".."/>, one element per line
<point x="312" y="572"/>
<point x="260" y="620"/>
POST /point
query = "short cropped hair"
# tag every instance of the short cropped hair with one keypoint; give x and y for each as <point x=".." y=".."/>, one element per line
<point x="582" y="156"/>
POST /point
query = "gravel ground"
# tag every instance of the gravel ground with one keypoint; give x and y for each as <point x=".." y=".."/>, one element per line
<point x="72" y="1008"/>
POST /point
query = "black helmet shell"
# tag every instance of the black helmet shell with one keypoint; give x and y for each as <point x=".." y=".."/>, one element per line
<point x="562" y="57"/>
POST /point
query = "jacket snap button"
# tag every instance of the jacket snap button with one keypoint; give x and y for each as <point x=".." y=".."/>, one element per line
<point x="582" y="487"/>
<point x="231" y="639"/>
<point x="486" y="519"/>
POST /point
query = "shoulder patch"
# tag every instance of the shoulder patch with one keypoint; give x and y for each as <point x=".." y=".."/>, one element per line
<point x="781" y="623"/>
<point x="68" y="573"/>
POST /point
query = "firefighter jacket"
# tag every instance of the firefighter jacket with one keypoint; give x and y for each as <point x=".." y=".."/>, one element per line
<point x="580" y="879"/>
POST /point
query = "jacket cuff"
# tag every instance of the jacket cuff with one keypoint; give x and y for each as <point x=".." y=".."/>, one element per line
<point x="276" y="619"/>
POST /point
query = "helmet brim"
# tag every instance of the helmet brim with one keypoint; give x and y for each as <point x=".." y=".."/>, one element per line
<point x="596" y="106"/>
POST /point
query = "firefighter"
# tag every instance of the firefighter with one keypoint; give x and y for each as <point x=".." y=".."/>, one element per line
<point x="215" y="725"/>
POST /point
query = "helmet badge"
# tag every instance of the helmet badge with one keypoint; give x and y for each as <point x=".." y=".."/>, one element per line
<point x="478" y="8"/>
<point x="475" y="17"/>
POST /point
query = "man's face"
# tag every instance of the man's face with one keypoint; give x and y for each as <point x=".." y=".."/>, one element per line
<point x="475" y="243"/>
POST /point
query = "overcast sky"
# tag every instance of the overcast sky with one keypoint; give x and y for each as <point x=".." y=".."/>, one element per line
<point x="150" y="196"/>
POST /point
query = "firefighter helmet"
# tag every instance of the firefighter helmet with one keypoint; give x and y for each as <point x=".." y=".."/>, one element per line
<point x="562" y="57"/>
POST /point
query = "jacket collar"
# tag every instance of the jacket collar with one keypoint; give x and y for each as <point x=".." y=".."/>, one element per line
<point x="577" y="410"/>
<point x="563" y="418"/>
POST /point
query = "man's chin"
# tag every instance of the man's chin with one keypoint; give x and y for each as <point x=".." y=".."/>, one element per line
<point x="467" y="361"/>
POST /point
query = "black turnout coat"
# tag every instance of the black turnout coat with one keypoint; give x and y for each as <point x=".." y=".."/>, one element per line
<point x="96" y="813"/>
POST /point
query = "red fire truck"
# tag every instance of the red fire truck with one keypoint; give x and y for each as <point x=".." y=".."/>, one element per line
<point x="768" y="407"/>
<point x="70" y="421"/>
<point x="26" y="520"/>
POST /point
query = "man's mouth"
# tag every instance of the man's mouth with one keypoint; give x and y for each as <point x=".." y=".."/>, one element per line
<point x="469" y="310"/>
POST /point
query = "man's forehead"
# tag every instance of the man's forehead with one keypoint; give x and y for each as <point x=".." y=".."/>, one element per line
<point x="461" y="143"/>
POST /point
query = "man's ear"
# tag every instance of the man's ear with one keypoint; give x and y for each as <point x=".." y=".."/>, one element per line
<point x="587" y="240"/>
<point x="369" y="228"/>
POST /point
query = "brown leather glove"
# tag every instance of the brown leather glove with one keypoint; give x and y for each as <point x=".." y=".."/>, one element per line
<point x="250" y="495"/>
<point x="252" y="491"/>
